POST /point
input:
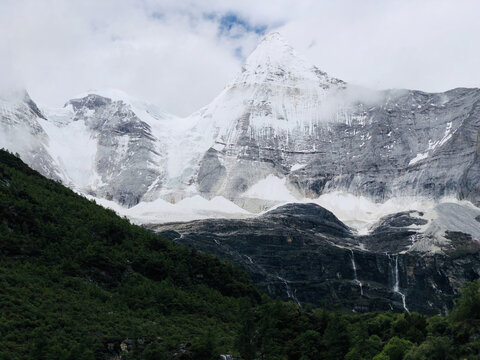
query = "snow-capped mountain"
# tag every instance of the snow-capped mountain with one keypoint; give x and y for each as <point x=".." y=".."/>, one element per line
<point x="281" y="131"/>
<point x="21" y="132"/>
<point x="284" y="120"/>
<point x="396" y="174"/>
<point x="264" y="119"/>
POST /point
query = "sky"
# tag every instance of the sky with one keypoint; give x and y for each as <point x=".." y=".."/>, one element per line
<point x="179" y="54"/>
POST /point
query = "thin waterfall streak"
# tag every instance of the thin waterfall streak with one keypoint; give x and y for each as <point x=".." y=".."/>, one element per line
<point x="396" y="284"/>
<point x="290" y="294"/>
<point x="355" y="276"/>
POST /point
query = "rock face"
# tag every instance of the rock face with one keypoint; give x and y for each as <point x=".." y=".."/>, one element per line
<point x="283" y="131"/>
<point x="21" y="132"/>
<point x="127" y="160"/>
<point x="280" y="117"/>
<point x="281" y="113"/>
<point x="108" y="147"/>
<point x="303" y="253"/>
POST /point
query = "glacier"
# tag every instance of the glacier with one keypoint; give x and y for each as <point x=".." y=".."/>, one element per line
<point x="282" y="131"/>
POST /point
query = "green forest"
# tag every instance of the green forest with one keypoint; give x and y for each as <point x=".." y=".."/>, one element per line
<point x="79" y="282"/>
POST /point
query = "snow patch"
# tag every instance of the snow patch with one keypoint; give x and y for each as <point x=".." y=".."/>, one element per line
<point x="454" y="215"/>
<point x="297" y="167"/>
<point x="271" y="188"/>
<point x="433" y="145"/>
<point x="418" y="158"/>
<point x="74" y="149"/>
<point x="188" y="209"/>
<point x="361" y="213"/>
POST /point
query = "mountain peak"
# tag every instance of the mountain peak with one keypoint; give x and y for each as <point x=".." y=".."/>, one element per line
<point x="274" y="35"/>
<point x="273" y="49"/>
<point x="274" y="60"/>
<point x="275" y="40"/>
<point x="17" y="98"/>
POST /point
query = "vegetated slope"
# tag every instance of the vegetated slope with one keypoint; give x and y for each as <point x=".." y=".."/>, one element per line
<point x="78" y="282"/>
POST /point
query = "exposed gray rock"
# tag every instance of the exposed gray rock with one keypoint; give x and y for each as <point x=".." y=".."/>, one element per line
<point x="211" y="173"/>
<point x="21" y="132"/>
<point x="280" y="111"/>
<point x="303" y="253"/>
<point x="127" y="157"/>
<point x="280" y="116"/>
<point x="405" y="143"/>
<point x="284" y="117"/>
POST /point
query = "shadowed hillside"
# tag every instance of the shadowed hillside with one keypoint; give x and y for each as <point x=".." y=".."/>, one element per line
<point x="78" y="282"/>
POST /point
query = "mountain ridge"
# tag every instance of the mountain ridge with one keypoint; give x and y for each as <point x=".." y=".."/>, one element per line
<point x="281" y="123"/>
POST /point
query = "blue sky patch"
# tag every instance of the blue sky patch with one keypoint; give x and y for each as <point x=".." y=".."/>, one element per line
<point x="234" y="26"/>
<point x="230" y="20"/>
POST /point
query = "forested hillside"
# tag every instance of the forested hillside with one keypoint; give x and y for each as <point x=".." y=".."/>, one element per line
<point x="76" y="280"/>
<point x="79" y="282"/>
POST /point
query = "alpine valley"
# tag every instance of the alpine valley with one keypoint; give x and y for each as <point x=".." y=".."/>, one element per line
<point x="326" y="193"/>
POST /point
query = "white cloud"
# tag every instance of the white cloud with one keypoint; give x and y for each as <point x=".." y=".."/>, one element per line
<point x="170" y="52"/>
<point x="60" y="48"/>
<point x="428" y="45"/>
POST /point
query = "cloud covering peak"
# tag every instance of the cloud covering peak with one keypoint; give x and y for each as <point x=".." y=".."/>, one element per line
<point x="179" y="55"/>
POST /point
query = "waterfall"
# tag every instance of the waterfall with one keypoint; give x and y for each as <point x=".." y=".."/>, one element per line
<point x="396" y="283"/>
<point x="355" y="277"/>
<point x="290" y="294"/>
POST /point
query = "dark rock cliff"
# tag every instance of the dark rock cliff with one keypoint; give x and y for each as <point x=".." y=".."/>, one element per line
<point x="303" y="253"/>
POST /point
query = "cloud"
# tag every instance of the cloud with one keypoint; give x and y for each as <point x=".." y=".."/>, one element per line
<point x="180" y="54"/>
<point x="60" y="48"/>
<point x="428" y="45"/>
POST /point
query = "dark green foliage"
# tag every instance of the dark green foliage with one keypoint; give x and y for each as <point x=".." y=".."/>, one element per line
<point x="78" y="282"/>
<point x="204" y="347"/>
<point x="467" y="307"/>
<point x="435" y="348"/>
<point x="366" y="348"/>
<point x="395" y="349"/>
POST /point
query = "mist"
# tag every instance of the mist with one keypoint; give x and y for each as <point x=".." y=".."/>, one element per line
<point x="180" y="55"/>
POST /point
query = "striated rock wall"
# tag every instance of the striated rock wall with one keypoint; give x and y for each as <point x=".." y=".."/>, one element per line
<point x="303" y="253"/>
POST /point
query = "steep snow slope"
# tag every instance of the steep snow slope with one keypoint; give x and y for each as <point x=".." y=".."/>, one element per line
<point x="72" y="145"/>
<point x="272" y="106"/>
<point x="22" y="133"/>
<point x="281" y="131"/>
<point x="284" y="117"/>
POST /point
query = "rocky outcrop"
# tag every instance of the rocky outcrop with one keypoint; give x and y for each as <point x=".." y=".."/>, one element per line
<point x="281" y="112"/>
<point x="402" y="143"/>
<point x="128" y="158"/>
<point x="280" y="116"/>
<point x="283" y="122"/>
<point x="21" y="132"/>
<point x="303" y="253"/>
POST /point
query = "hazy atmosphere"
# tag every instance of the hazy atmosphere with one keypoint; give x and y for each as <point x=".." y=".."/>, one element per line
<point x="180" y="54"/>
<point x="239" y="180"/>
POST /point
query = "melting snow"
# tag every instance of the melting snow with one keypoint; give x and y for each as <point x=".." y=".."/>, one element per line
<point x="193" y="208"/>
<point x="418" y="158"/>
<point x="432" y="145"/>
<point x="74" y="149"/>
<point x="270" y="188"/>
<point x="361" y="213"/>
<point x="297" y="167"/>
